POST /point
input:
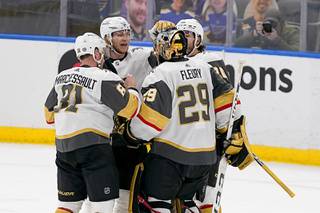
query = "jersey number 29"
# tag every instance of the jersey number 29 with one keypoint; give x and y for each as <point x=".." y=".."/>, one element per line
<point x="203" y="97"/>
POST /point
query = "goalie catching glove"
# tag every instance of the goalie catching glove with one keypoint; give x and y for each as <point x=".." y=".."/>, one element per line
<point x="237" y="149"/>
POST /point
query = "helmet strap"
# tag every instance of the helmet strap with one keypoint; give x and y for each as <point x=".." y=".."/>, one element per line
<point x="99" y="62"/>
<point x="196" y="45"/>
<point x="110" y="47"/>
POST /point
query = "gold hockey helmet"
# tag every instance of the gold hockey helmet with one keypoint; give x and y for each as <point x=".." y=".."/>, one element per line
<point x="171" y="44"/>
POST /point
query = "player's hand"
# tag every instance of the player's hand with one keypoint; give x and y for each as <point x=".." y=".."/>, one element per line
<point x="234" y="145"/>
<point x="160" y="26"/>
<point x="259" y="29"/>
<point x="130" y="81"/>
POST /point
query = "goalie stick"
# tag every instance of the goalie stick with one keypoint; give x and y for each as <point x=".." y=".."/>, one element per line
<point x="223" y="162"/>
<point x="268" y="170"/>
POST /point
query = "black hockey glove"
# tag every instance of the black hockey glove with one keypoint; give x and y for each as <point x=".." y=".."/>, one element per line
<point x="132" y="141"/>
<point x="117" y="131"/>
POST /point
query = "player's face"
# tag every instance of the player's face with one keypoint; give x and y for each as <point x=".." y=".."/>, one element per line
<point x="261" y="6"/>
<point x="137" y="11"/>
<point x="121" y="40"/>
<point x="190" y="37"/>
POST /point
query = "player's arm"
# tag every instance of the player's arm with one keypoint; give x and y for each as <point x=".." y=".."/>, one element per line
<point x="49" y="105"/>
<point x="235" y="149"/>
<point x="124" y="102"/>
<point x="155" y="112"/>
<point x="220" y="67"/>
<point x="223" y="93"/>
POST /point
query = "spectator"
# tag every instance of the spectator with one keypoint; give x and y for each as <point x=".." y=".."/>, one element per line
<point x="254" y="13"/>
<point x="137" y="12"/>
<point x="250" y="8"/>
<point x="108" y="8"/>
<point x="176" y="12"/>
<point x="273" y="33"/>
<point x="214" y="20"/>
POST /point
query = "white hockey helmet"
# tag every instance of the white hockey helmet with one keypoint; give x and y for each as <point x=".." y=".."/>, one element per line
<point x="191" y="25"/>
<point x="194" y="26"/>
<point x="87" y="43"/>
<point x="113" y="24"/>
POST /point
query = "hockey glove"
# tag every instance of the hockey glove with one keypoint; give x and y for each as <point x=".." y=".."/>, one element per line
<point x="235" y="144"/>
<point x="131" y="140"/>
<point x="240" y="160"/>
<point x="117" y="131"/>
<point x="236" y="149"/>
<point x="160" y="26"/>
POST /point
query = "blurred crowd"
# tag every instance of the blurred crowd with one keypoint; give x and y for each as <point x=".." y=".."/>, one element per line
<point x="264" y="24"/>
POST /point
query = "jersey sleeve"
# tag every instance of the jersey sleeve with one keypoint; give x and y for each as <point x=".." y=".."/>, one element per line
<point x="49" y="105"/>
<point x="123" y="102"/>
<point x="155" y="112"/>
<point x="220" y="67"/>
<point x="223" y="94"/>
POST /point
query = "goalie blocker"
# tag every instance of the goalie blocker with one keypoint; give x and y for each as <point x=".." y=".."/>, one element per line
<point x="235" y="149"/>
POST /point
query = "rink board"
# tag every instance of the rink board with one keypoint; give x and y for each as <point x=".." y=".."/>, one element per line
<point x="280" y="95"/>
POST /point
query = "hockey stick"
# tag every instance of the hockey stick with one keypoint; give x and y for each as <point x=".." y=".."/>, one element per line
<point x="271" y="174"/>
<point x="223" y="162"/>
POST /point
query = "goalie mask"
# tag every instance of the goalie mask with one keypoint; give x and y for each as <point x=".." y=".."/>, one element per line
<point x="171" y="45"/>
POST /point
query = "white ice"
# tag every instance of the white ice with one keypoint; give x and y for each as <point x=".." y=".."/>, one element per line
<point x="28" y="184"/>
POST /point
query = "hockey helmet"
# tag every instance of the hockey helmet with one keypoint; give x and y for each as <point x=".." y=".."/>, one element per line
<point x="192" y="25"/>
<point x="171" y="44"/>
<point x="113" y="24"/>
<point x="87" y="44"/>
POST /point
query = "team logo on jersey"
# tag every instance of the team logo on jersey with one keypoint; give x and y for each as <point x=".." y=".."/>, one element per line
<point x="107" y="190"/>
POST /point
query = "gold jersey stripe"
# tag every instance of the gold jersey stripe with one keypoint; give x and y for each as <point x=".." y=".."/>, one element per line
<point x="224" y="99"/>
<point x="170" y="143"/>
<point x="130" y="109"/>
<point x="134" y="182"/>
<point x="48" y="115"/>
<point x="82" y="131"/>
<point x="153" y="117"/>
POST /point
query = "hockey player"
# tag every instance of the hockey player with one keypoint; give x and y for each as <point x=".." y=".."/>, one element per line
<point x="123" y="61"/>
<point x="116" y="32"/>
<point x="196" y="50"/>
<point x="81" y="105"/>
<point x="184" y="101"/>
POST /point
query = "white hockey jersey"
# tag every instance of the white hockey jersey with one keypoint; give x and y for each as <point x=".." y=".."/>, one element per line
<point x="215" y="60"/>
<point x="183" y="103"/>
<point x="84" y="100"/>
<point x="135" y="63"/>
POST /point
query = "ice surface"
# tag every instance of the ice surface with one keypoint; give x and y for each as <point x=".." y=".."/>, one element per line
<point x="28" y="184"/>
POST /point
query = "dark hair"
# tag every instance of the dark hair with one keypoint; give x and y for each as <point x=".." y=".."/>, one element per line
<point x="84" y="56"/>
<point x="201" y="48"/>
